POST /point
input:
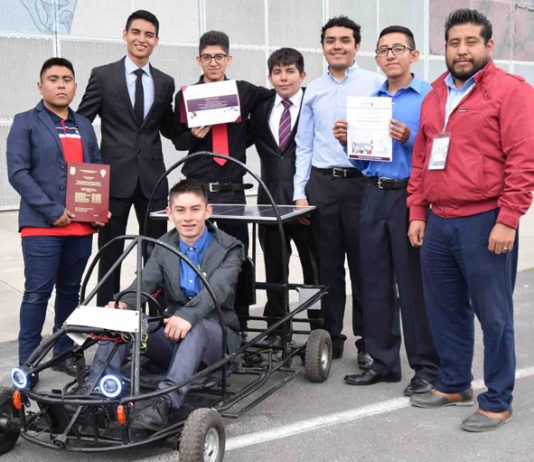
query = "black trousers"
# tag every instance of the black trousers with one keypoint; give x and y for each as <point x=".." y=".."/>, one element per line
<point x="239" y="230"/>
<point x="389" y="261"/>
<point x="120" y="209"/>
<point x="336" y="230"/>
<point x="271" y="246"/>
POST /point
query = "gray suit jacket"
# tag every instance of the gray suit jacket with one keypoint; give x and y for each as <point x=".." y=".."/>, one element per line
<point x="220" y="263"/>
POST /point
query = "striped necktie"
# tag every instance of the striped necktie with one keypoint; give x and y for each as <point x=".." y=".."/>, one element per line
<point x="284" y="129"/>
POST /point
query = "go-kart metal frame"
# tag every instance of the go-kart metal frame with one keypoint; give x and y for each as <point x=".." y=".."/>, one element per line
<point x="70" y="435"/>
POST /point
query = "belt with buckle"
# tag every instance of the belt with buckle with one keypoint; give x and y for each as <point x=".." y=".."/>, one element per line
<point x="338" y="172"/>
<point x="224" y="187"/>
<point x="390" y="183"/>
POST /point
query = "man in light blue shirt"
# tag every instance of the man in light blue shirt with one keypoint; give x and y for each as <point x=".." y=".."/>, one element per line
<point x="388" y="260"/>
<point x="324" y="177"/>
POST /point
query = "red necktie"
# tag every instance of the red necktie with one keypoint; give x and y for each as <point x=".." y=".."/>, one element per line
<point x="219" y="138"/>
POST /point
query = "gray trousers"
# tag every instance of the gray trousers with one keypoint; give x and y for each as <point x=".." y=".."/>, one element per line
<point x="182" y="359"/>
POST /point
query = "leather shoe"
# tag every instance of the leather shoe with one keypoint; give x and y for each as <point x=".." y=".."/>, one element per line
<point x="68" y="366"/>
<point x="365" y="361"/>
<point x="431" y="399"/>
<point x="479" y="422"/>
<point x="370" y="377"/>
<point x="417" y="386"/>
<point x="153" y="417"/>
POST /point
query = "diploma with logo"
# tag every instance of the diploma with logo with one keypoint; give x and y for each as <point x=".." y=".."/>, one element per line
<point x="87" y="194"/>
<point x="368" y="120"/>
<point x="210" y="104"/>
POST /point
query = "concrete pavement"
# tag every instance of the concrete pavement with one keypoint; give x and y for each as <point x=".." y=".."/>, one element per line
<point x="330" y="421"/>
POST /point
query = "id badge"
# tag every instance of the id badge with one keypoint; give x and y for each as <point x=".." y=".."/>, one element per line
<point x="440" y="149"/>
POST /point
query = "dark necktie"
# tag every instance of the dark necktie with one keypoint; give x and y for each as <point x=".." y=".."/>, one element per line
<point x="285" y="125"/>
<point x="139" y="105"/>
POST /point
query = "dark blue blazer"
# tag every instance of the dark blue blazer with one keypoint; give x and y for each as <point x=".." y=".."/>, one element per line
<point x="36" y="164"/>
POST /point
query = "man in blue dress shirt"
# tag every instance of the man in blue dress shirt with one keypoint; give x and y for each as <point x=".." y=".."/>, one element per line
<point x="192" y="333"/>
<point x="387" y="257"/>
<point x="324" y="176"/>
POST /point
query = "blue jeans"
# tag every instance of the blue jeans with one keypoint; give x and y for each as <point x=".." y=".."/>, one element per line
<point x="49" y="261"/>
<point x="461" y="279"/>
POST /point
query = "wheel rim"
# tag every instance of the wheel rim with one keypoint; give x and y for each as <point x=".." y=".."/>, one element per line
<point x="324" y="357"/>
<point x="211" y="445"/>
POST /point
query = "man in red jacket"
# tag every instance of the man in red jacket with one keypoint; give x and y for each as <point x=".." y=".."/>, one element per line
<point x="472" y="177"/>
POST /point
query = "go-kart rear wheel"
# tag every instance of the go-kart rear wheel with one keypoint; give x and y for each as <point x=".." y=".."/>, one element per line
<point x="318" y="355"/>
<point x="8" y="435"/>
<point x="203" y="437"/>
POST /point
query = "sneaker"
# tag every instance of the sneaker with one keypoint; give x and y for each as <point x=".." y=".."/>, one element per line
<point x="153" y="417"/>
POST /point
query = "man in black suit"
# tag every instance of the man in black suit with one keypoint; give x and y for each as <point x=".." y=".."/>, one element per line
<point x="273" y="126"/>
<point x="134" y="102"/>
<point x="224" y="179"/>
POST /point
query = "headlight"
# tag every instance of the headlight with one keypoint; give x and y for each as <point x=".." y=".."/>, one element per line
<point x="20" y="376"/>
<point x="110" y="386"/>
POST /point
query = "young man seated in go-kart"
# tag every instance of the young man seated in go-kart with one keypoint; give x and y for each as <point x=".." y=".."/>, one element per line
<point x="192" y="333"/>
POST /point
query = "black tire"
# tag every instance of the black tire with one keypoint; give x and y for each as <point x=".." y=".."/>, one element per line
<point x="318" y="356"/>
<point x="8" y="437"/>
<point x="203" y="437"/>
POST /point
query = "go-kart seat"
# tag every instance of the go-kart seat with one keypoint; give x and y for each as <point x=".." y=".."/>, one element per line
<point x="245" y="291"/>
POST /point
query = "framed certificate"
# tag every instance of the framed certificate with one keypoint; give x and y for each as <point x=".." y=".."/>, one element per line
<point x="87" y="195"/>
<point x="210" y="104"/>
<point x="368" y="120"/>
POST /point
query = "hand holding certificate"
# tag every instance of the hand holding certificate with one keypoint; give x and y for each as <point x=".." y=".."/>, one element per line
<point x="368" y="135"/>
<point x="210" y="104"/>
<point x="87" y="195"/>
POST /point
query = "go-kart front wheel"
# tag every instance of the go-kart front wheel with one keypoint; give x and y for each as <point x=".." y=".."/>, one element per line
<point x="203" y="437"/>
<point x="318" y="357"/>
<point x="9" y="430"/>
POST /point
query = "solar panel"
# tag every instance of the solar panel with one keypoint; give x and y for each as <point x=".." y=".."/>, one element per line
<point x="250" y="213"/>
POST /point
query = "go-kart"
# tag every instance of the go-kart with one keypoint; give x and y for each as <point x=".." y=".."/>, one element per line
<point x="63" y="418"/>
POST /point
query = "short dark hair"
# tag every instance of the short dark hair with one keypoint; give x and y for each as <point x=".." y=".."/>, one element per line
<point x="286" y="57"/>
<point x="188" y="185"/>
<point x="143" y="14"/>
<point x="56" y="62"/>
<point x="468" y="16"/>
<point x="214" y="38"/>
<point x="401" y="30"/>
<point x="343" y="21"/>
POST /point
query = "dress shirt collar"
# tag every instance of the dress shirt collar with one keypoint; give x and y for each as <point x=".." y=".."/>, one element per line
<point x="131" y="67"/>
<point x="416" y="84"/>
<point x="201" y="79"/>
<point x="348" y="73"/>
<point x="295" y="99"/>
<point x="449" y="81"/>
<point x="200" y="244"/>
<point x="55" y="118"/>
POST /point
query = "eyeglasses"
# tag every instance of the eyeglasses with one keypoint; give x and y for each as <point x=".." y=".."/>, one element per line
<point x="396" y="50"/>
<point x="219" y="58"/>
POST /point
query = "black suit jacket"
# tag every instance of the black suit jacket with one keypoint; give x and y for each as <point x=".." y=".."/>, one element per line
<point x="277" y="167"/>
<point x="205" y="168"/>
<point x="134" y="154"/>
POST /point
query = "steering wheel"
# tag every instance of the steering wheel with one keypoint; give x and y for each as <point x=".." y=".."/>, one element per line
<point x="158" y="319"/>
